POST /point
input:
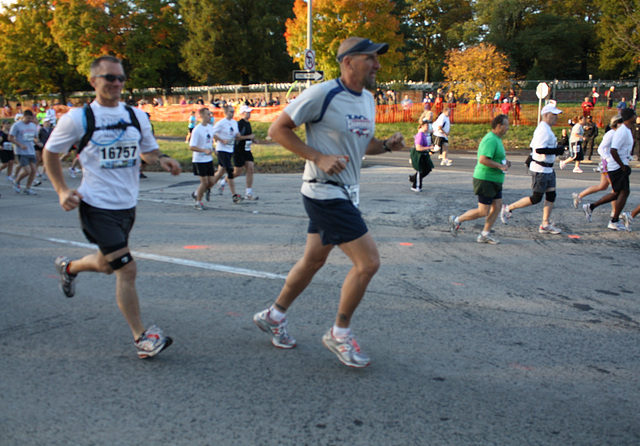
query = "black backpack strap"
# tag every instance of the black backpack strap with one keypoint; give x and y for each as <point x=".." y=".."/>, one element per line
<point x="134" y="118"/>
<point x="90" y="120"/>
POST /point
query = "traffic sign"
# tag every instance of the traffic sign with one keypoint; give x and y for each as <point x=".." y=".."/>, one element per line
<point x="542" y="90"/>
<point x="308" y="75"/>
<point x="309" y="60"/>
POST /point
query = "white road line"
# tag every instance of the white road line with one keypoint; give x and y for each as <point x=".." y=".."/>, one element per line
<point x="173" y="260"/>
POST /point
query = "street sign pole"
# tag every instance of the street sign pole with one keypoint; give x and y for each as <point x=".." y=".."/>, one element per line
<point x="309" y="29"/>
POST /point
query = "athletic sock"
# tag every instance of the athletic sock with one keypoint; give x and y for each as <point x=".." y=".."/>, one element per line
<point x="276" y="315"/>
<point x="340" y="333"/>
<point x="485" y="233"/>
<point x="249" y="191"/>
<point x="456" y="221"/>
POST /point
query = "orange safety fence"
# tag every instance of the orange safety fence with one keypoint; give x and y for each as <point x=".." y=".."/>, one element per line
<point x="459" y="114"/>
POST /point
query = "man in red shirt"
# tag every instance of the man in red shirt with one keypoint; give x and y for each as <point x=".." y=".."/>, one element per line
<point x="587" y="107"/>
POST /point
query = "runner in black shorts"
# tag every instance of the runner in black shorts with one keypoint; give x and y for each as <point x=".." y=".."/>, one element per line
<point x="242" y="155"/>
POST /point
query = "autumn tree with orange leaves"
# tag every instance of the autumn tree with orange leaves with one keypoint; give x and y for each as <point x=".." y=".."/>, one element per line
<point x="480" y="69"/>
<point x="334" y="21"/>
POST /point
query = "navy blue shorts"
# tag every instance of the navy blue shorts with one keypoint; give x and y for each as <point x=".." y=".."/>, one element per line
<point x="336" y="221"/>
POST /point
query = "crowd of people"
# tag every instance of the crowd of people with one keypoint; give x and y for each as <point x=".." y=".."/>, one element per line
<point x="615" y="150"/>
<point x="112" y="138"/>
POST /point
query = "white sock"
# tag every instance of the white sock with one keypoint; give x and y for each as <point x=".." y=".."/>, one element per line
<point x="486" y="233"/>
<point x="276" y="315"/>
<point x="456" y="221"/>
<point x="339" y="332"/>
<point x="249" y="191"/>
<point x="223" y="183"/>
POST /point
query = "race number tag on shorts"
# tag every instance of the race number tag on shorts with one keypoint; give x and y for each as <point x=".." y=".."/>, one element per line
<point x="118" y="155"/>
<point x="354" y="194"/>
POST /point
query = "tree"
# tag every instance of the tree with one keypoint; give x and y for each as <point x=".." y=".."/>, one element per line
<point x="559" y="40"/>
<point x="618" y="29"/>
<point x="143" y="33"/>
<point x="31" y="60"/>
<point x="432" y="27"/>
<point x="478" y="69"/>
<point x="236" y="40"/>
<point x="334" y="21"/>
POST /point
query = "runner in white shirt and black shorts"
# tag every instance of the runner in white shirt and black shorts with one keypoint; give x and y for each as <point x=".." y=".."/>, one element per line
<point x="619" y="172"/>
<point x="201" y="144"/>
<point x="108" y="194"/>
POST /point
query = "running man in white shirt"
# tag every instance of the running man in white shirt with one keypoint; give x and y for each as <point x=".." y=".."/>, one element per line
<point x="619" y="172"/>
<point x="544" y="149"/>
<point x="441" y="130"/>
<point x="225" y="133"/>
<point x="201" y="144"/>
<point x="107" y="196"/>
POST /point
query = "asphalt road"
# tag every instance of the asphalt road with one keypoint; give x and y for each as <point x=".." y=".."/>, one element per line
<point x="532" y="341"/>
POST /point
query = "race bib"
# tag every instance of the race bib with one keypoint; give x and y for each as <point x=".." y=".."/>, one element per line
<point x="7" y="146"/>
<point x="119" y="155"/>
<point x="353" y="192"/>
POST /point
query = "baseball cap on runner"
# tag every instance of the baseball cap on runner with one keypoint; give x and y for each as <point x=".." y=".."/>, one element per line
<point x="551" y="108"/>
<point x="245" y="109"/>
<point x="360" y="45"/>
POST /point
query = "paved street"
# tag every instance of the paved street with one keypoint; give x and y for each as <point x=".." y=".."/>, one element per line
<point x="530" y="342"/>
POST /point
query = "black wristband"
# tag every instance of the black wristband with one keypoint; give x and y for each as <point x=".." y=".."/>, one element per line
<point x="385" y="147"/>
<point x="163" y="155"/>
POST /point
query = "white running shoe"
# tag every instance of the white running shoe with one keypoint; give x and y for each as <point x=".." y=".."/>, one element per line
<point x="152" y="342"/>
<point x="549" y="229"/>
<point x="586" y="208"/>
<point x="278" y="332"/>
<point x="347" y="350"/>
<point x="505" y="213"/>
<point x="626" y="219"/>
<point x="576" y="200"/>
<point x="616" y="226"/>
<point x="488" y="239"/>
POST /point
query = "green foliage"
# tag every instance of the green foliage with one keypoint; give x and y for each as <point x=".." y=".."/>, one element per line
<point x="31" y="60"/>
<point x="432" y="28"/>
<point x="619" y="30"/>
<point x="230" y="41"/>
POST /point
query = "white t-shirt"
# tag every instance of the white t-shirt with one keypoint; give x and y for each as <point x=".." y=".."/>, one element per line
<point x="24" y="134"/>
<point x="543" y="138"/>
<point x="623" y="143"/>
<point x="226" y="129"/>
<point x="111" y="159"/>
<point x="605" y="147"/>
<point x="338" y="121"/>
<point x="442" y="126"/>
<point x="202" y="138"/>
<point x="576" y="132"/>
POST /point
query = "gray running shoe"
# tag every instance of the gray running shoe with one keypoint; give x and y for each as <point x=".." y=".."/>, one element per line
<point x="347" y="350"/>
<point x="250" y="197"/>
<point x="616" y="226"/>
<point x="220" y="190"/>
<point x="453" y="226"/>
<point x="237" y="198"/>
<point x="29" y="192"/>
<point x="549" y="229"/>
<point x="16" y="187"/>
<point x="207" y="195"/>
<point x="152" y="342"/>
<point x="67" y="281"/>
<point x="199" y="206"/>
<point x="488" y="239"/>
<point x="576" y="200"/>
<point x="505" y="214"/>
<point x="626" y="219"/>
<point x="586" y="208"/>
<point x="278" y="332"/>
<point x="36" y="182"/>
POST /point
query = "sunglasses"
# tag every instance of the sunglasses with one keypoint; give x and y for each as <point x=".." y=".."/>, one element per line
<point x="112" y="77"/>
